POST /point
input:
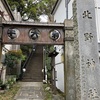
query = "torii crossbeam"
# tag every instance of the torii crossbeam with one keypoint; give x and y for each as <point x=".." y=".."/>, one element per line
<point x="24" y="31"/>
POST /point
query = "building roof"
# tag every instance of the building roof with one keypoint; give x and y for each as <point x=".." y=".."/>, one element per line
<point x="8" y="9"/>
<point x="55" y="7"/>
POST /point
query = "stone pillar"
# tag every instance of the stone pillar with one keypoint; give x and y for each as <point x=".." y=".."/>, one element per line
<point x="3" y="70"/>
<point x="69" y="61"/>
<point x="3" y="74"/>
<point x="0" y="42"/>
<point x="87" y="69"/>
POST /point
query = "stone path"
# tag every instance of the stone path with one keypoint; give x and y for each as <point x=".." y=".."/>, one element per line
<point x="30" y="91"/>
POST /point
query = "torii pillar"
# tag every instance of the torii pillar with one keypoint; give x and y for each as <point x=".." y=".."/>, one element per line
<point x="0" y="40"/>
<point x="69" y="67"/>
<point x="2" y="72"/>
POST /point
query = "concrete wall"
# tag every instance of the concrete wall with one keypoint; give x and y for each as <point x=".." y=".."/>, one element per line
<point x="59" y="68"/>
<point x="97" y="10"/>
<point x="59" y="17"/>
<point x="17" y="15"/>
<point x="60" y="74"/>
<point x="70" y="10"/>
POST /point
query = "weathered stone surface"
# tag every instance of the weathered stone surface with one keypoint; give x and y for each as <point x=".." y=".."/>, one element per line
<point x="3" y="73"/>
<point x="87" y="70"/>
<point x="69" y="62"/>
<point x="58" y="97"/>
<point x="30" y="91"/>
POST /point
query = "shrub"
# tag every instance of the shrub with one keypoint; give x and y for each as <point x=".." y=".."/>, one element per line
<point x="13" y="57"/>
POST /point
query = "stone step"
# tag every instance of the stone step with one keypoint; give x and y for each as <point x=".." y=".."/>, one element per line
<point x="30" y="91"/>
<point x="35" y="66"/>
<point x="32" y="78"/>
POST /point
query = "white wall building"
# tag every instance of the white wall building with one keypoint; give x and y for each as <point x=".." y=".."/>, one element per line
<point x="61" y="11"/>
<point x="5" y="11"/>
<point x="7" y="15"/>
<point x="97" y="10"/>
<point x="59" y="68"/>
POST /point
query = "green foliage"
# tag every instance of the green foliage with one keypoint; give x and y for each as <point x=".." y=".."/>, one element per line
<point x="11" y="80"/>
<point x="1" y="82"/>
<point x="49" y="48"/>
<point x="48" y="64"/>
<point x="10" y="93"/>
<point x="17" y="3"/>
<point x="32" y="8"/>
<point x="13" y="57"/>
<point x="26" y="49"/>
<point x="48" y="94"/>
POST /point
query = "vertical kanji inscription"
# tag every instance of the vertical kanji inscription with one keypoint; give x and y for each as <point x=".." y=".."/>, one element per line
<point x="87" y="14"/>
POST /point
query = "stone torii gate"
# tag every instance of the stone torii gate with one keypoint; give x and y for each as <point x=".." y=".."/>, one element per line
<point x="81" y="69"/>
<point x="37" y="33"/>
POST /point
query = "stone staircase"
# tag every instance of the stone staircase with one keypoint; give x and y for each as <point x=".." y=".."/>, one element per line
<point x="34" y="67"/>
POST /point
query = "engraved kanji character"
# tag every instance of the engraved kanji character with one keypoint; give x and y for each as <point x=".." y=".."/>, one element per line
<point x="87" y="14"/>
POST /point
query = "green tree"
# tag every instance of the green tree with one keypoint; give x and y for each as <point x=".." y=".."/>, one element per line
<point x="13" y="57"/>
<point x="32" y="9"/>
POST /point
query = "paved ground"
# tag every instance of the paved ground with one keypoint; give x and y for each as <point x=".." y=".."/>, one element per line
<point x="30" y="91"/>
